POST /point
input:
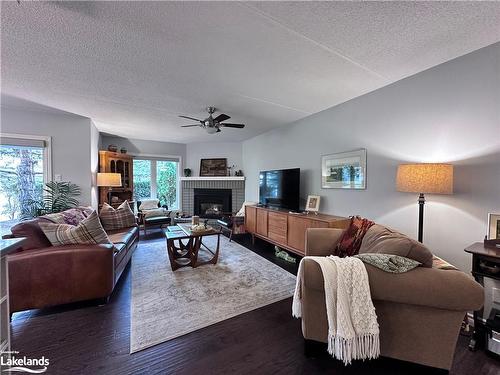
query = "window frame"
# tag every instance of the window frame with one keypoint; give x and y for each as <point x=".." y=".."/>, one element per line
<point x="47" y="151"/>
<point x="153" y="158"/>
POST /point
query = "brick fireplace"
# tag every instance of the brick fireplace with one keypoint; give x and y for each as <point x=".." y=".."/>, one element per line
<point x="208" y="196"/>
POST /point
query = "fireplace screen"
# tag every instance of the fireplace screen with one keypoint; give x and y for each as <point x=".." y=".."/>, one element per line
<point x="212" y="203"/>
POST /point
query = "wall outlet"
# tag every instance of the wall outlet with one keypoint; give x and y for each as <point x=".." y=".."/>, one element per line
<point x="57" y="178"/>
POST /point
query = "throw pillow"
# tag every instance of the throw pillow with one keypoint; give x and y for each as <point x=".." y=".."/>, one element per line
<point x="89" y="231"/>
<point x="379" y="239"/>
<point x="351" y="238"/>
<point x="241" y="212"/>
<point x="122" y="217"/>
<point x="155" y="212"/>
<point x="148" y="204"/>
<point x="35" y="238"/>
<point x="389" y="263"/>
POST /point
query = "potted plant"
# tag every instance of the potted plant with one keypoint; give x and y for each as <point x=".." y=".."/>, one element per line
<point x="187" y="172"/>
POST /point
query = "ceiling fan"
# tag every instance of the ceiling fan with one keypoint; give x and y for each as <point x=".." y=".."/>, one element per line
<point x="212" y="125"/>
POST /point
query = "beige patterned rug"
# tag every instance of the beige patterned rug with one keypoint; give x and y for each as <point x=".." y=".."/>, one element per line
<point x="167" y="304"/>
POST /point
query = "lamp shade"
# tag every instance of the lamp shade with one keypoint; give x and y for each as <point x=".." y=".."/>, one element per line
<point x="430" y="178"/>
<point x="109" y="179"/>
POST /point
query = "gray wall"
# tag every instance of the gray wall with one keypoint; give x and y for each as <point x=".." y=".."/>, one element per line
<point x="143" y="147"/>
<point x="71" y="151"/>
<point x="450" y="113"/>
<point x="232" y="151"/>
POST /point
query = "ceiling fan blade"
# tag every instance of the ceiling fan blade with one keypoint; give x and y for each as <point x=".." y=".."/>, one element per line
<point x="229" y="125"/>
<point x="188" y="126"/>
<point x="222" y="117"/>
<point x="191" y="118"/>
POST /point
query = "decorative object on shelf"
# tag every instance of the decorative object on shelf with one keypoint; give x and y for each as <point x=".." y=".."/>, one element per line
<point x="113" y="148"/>
<point x="57" y="197"/>
<point x="312" y="204"/>
<point x="229" y="169"/>
<point x="493" y="226"/>
<point x="213" y="167"/>
<point x="432" y="178"/>
<point x="123" y="150"/>
<point x="109" y="180"/>
<point x="239" y="173"/>
<point x="345" y="170"/>
<point x="187" y="172"/>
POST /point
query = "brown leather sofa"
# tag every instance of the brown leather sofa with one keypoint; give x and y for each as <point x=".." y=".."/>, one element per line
<point x="42" y="275"/>
<point x="419" y="312"/>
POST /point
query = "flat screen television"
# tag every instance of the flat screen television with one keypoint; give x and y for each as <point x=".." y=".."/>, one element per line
<point x="280" y="188"/>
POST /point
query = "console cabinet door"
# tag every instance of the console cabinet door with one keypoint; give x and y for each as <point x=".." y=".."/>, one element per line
<point x="262" y="222"/>
<point x="297" y="227"/>
<point x="250" y="218"/>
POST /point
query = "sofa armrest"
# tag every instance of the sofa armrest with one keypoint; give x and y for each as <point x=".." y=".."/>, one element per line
<point x="60" y="274"/>
<point x="444" y="289"/>
<point x="321" y="241"/>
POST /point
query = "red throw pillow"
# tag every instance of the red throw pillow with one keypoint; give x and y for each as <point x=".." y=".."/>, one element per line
<point x="350" y="242"/>
<point x="35" y="238"/>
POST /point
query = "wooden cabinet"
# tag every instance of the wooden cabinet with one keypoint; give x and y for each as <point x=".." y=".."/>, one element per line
<point x="287" y="230"/>
<point x="261" y="222"/>
<point x="116" y="162"/>
<point x="250" y="219"/>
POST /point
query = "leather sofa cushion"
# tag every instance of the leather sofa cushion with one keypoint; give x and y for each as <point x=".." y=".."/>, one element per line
<point x="379" y="239"/>
<point x="125" y="236"/>
<point x="120" y="252"/>
<point x="35" y="238"/>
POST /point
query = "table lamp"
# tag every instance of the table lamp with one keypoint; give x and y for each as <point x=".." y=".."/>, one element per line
<point x="432" y="178"/>
<point x="109" y="180"/>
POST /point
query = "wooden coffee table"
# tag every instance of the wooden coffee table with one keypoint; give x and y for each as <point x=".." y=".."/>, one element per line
<point x="184" y="245"/>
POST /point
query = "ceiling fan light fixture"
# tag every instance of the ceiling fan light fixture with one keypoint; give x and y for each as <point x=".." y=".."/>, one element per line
<point x="212" y="130"/>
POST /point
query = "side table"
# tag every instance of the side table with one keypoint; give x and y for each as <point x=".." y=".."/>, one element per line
<point x="485" y="265"/>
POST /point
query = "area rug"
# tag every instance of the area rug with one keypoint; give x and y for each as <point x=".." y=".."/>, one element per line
<point x="167" y="304"/>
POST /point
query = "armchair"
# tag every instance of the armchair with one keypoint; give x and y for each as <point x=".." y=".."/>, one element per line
<point x="150" y="216"/>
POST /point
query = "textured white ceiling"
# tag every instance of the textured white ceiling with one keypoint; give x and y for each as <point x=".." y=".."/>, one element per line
<point x="134" y="66"/>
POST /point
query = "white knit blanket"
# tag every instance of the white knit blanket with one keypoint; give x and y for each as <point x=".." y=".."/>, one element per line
<point x="353" y="331"/>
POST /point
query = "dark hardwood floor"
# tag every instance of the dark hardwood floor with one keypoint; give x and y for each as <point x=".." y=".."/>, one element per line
<point x="89" y="339"/>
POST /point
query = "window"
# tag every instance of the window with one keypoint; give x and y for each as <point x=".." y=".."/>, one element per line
<point x="24" y="168"/>
<point x="157" y="178"/>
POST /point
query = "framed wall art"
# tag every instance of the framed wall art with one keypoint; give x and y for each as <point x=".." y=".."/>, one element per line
<point x="494" y="226"/>
<point x="213" y="167"/>
<point x="345" y="170"/>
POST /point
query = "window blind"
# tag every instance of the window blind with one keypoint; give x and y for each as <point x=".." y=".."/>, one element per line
<point x="22" y="142"/>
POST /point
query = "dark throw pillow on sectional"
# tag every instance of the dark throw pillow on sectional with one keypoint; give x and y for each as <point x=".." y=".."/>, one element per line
<point x="379" y="239"/>
<point x="35" y="238"/>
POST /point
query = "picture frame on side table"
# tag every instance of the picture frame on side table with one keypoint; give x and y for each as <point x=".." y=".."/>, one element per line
<point x="344" y="170"/>
<point x="312" y="204"/>
<point x="213" y="167"/>
<point x="493" y="226"/>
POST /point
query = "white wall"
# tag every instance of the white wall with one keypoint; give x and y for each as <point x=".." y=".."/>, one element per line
<point x="71" y="153"/>
<point x="232" y="151"/>
<point x="143" y="147"/>
<point x="450" y="113"/>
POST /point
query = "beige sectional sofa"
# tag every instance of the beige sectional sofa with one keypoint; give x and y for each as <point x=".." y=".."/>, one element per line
<point x="419" y="312"/>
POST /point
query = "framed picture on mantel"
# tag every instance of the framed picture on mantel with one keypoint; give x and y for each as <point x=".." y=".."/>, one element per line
<point x="345" y="170"/>
<point x="213" y="167"/>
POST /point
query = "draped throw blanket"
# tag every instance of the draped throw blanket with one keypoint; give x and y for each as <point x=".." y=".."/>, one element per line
<point x="350" y="242"/>
<point x="353" y="331"/>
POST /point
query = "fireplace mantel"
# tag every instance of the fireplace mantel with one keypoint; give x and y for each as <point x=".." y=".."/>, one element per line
<point x="214" y="178"/>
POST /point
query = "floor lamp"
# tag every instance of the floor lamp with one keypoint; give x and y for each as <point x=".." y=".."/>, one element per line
<point x="424" y="178"/>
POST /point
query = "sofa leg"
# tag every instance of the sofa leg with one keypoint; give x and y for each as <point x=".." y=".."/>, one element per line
<point x="230" y="235"/>
<point x="313" y="348"/>
<point x="103" y="301"/>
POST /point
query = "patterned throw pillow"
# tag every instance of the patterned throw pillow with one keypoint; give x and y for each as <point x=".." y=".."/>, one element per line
<point x="389" y="262"/>
<point x="122" y="217"/>
<point x="89" y="231"/>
